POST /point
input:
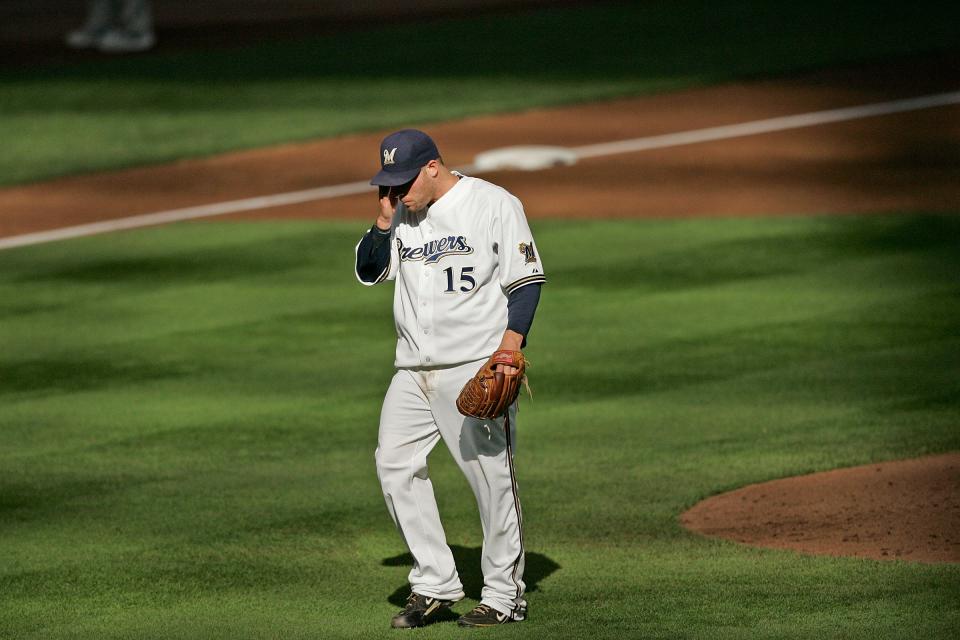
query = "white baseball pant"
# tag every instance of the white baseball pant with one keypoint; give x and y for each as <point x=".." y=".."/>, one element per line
<point x="419" y="409"/>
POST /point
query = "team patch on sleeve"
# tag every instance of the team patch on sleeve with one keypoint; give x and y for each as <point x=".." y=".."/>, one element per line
<point x="526" y="249"/>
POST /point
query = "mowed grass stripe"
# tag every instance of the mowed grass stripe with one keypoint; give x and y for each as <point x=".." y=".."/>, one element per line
<point x="189" y="416"/>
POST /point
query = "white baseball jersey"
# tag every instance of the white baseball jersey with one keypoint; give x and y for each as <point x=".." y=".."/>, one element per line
<point x="454" y="266"/>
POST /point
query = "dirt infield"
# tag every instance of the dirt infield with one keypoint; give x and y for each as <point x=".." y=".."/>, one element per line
<point x="904" y="162"/>
<point x="906" y="510"/>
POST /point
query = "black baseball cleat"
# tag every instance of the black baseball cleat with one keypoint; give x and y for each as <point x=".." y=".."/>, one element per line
<point x="483" y="616"/>
<point x="419" y="611"/>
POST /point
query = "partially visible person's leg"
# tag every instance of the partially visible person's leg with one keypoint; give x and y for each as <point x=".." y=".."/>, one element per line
<point x="133" y="28"/>
<point x="100" y="19"/>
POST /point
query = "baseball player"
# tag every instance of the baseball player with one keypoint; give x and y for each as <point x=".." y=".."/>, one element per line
<point x="467" y="283"/>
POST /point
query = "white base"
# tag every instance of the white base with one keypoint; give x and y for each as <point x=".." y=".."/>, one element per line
<point x="525" y="158"/>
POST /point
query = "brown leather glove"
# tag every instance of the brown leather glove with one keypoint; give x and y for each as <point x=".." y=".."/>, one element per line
<point x="489" y="394"/>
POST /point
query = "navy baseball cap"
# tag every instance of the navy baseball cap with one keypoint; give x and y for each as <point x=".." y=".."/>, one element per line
<point x="402" y="155"/>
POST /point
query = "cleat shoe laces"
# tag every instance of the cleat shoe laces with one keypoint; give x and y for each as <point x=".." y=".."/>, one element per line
<point x="419" y="611"/>
<point x="483" y="616"/>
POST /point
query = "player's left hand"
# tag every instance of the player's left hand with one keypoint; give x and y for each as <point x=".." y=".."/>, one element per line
<point x="511" y="342"/>
<point x="490" y="392"/>
<point x="507" y="369"/>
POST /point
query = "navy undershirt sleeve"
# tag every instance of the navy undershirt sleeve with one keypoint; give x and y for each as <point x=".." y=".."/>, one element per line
<point x="373" y="254"/>
<point x="521" y="305"/>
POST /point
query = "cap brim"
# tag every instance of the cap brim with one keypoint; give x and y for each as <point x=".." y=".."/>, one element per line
<point x="394" y="178"/>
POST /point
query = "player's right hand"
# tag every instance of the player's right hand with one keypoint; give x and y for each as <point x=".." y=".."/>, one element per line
<point x="388" y="207"/>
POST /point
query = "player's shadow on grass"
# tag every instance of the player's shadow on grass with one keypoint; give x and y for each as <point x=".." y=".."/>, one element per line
<point x="538" y="567"/>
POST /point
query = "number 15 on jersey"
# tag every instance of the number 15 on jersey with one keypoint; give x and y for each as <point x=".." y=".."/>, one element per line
<point x="465" y="282"/>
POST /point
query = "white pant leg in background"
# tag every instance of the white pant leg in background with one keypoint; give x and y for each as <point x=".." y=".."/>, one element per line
<point x="100" y="15"/>
<point x="419" y="408"/>
<point x="134" y="16"/>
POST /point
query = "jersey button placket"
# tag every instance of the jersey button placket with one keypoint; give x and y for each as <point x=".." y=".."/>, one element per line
<point x="426" y="313"/>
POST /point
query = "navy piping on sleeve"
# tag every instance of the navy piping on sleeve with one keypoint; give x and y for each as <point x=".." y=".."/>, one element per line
<point x="537" y="278"/>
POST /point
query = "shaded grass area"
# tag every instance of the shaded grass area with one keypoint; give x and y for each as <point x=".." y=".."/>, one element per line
<point x="189" y="418"/>
<point x="163" y="107"/>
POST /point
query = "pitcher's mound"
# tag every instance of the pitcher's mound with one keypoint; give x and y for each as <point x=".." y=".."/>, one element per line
<point x="906" y="510"/>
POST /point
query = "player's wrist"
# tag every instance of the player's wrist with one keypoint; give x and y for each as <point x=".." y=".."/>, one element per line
<point x="512" y="341"/>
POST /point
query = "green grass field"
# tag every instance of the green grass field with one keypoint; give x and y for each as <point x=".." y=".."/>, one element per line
<point x="166" y="106"/>
<point x="189" y="413"/>
<point x="189" y="417"/>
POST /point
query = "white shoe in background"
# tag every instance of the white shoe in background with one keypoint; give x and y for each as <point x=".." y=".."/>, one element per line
<point x="120" y="41"/>
<point x="84" y="38"/>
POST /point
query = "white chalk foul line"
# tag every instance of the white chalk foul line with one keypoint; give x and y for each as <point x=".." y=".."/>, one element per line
<point x="767" y="126"/>
<point x="189" y="213"/>
<point x="589" y="151"/>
